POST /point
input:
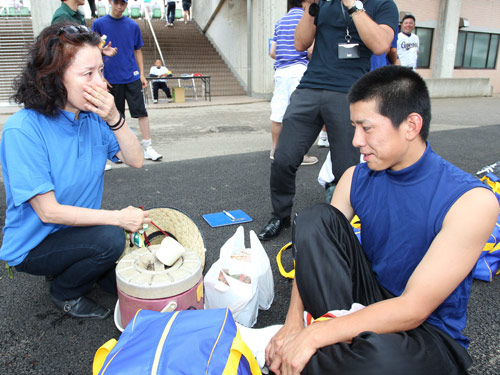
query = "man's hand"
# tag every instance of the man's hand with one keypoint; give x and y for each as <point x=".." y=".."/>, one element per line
<point x="348" y="4"/>
<point x="296" y="351"/>
<point x="109" y="51"/>
<point x="144" y="81"/>
<point x="274" y="349"/>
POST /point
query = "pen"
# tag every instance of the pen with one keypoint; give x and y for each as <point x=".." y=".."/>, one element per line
<point x="228" y="214"/>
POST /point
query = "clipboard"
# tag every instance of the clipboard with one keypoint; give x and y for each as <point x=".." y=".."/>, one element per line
<point x="220" y="219"/>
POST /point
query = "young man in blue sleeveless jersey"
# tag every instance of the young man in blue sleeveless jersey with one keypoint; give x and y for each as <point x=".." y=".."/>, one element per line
<point x="424" y="223"/>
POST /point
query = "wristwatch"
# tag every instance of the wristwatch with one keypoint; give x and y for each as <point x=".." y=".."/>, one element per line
<point x="313" y="9"/>
<point x="357" y="7"/>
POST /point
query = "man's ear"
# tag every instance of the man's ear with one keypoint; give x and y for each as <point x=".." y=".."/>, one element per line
<point x="414" y="121"/>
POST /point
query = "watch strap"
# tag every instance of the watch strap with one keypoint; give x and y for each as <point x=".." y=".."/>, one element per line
<point x="313" y="9"/>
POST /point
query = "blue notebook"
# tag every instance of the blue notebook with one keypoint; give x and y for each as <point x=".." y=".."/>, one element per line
<point x="220" y="219"/>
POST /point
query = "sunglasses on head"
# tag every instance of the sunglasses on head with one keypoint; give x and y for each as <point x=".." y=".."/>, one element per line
<point x="74" y="29"/>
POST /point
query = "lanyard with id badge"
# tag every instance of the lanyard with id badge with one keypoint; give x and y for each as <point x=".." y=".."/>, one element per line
<point x="347" y="50"/>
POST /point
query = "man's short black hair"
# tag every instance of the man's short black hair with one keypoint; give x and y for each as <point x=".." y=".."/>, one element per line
<point x="408" y="16"/>
<point x="295" y="3"/>
<point x="398" y="92"/>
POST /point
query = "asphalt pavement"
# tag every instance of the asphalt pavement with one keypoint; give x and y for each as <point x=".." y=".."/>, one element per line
<point x="216" y="156"/>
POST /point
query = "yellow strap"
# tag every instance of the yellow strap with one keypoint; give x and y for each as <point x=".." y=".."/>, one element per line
<point x="216" y="341"/>
<point x="161" y="343"/>
<point x="238" y="349"/>
<point x="495" y="186"/>
<point x="290" y="274"/>
<point x="101" y="354"/>
<point x="355" y="222"/>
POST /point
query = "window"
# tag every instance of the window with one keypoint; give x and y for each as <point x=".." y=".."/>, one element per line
<point x="476" y="50"/>
<point x="425" y="47"/>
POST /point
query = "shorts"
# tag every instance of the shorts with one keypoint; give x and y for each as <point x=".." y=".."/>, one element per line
<point x="132" y="92"/>
<point x="283" y="88"/>
<point x="185" y="5"/>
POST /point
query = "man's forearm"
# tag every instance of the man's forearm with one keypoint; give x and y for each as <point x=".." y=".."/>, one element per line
<point x="376" y="37"/>
<point x="305" y="31"/>
<point x="388" y="316"/>
<point x="295" y="315"/>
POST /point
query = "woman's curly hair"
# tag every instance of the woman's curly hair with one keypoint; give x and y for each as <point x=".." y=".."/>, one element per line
<point x="40" y="86"/>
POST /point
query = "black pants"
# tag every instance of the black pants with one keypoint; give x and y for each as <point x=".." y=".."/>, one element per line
<point x="92" y="8"/>
<point x="170" y="12"/>
<point x="163" y="86"/>
<point x="308" y="110"/>
<point x="331" y="273"/>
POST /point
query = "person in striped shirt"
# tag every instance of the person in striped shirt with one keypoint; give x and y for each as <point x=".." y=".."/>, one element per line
<point x="290" y="65"/>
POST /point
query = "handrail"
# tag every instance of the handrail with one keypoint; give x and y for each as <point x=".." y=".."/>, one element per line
<point x="213" y="15"/>
<point x="146" y="14"/>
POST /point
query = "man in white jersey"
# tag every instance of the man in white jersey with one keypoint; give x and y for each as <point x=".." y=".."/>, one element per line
<point x="408" y="43"/>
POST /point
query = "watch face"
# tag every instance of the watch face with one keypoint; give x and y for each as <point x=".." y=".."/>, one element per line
<point x="358" y="4"/>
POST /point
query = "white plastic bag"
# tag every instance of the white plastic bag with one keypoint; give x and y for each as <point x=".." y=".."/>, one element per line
<point x="240" y="279"/>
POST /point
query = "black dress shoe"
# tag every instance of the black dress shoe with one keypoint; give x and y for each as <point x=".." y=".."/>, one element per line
<point x="82" y="307"/>
<point x="273" y="228"/>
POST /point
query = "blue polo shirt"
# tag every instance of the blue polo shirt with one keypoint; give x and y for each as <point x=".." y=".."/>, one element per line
<point x="326" y="70"/>
<point x="124" y="34"/>
<point x="284" y="37"/>
<point x="41" y="154"/>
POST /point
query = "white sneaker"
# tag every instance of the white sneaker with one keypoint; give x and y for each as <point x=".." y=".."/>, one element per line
<point x="155" y="101"/>
<point x="323" y="140"/>
<point x="107" y="167"/>
<point x="151" y="154"/>
<point x="170" y="100"/>
<point x="309" y="160"/>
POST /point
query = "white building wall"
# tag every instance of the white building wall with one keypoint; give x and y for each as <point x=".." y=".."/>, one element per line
<point x="227" y="31"/>
<point x="42" y="12"/>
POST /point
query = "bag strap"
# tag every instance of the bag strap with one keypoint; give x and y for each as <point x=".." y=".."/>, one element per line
<point x="239" y="349"/>
<point x="288" y="274"/>
<point x="101" y="354"/>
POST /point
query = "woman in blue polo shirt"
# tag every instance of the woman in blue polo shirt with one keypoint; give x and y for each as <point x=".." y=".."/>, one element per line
<point x="53" y="154"/>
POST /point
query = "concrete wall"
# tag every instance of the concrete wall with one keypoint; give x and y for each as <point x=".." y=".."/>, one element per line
<point x="227" y="31"/>
<point x="232" y="35"/>
<point x="458" y="87"/>
<point x="42" y="11"/>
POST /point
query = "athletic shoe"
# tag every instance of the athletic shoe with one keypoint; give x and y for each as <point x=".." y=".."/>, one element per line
<point x="107" y="167"/>
<point x="170" y="100"/>
<point x="151" y="154"/>
<point x="323" y="140"/>
<point x="309" y="160"/>
<point x="155" y="101"/>
<point x="271" y="155"/>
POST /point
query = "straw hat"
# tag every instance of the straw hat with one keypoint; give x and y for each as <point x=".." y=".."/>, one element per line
<point x="175" y="223"/>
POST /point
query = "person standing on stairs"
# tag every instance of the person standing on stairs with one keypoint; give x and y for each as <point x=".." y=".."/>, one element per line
<point x="186" y="6"/>
<point x="125" y="71"/>
<point x="170" y="14"/>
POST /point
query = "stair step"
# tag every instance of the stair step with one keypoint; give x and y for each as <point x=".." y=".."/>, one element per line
<point x="184" y="47"/>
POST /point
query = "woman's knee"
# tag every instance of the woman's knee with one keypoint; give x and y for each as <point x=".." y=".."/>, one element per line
<point x="113" y="242"/>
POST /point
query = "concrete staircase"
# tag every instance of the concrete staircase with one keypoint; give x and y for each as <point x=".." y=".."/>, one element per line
<point x="186" y="51"/>
<point x="16" y="33"/>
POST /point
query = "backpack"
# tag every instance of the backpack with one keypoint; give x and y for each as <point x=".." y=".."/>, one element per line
<point x="179" y="342"/>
